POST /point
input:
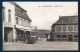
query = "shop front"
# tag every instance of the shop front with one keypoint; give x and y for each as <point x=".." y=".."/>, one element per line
<point x="66" y="36"/>
<point x="22" y="33"/>
<point x="7" y="32"/>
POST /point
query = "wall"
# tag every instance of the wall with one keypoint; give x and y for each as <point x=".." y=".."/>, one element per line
<point x="10" y="6"/>
<point x="66" y="28"/>
<point x="54" y="36"/>
<point x="21" y="22"/>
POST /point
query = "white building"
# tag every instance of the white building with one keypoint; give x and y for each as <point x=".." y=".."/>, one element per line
<point x="16" y="22"/>
<point x="65" y="29"/>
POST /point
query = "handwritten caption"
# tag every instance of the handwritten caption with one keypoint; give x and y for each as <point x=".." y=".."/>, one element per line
<point x="51" y="6"/>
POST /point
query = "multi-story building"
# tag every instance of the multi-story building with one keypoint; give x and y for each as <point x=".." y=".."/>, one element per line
<point x="65" y="29"/>
<point x="16" y="22"/>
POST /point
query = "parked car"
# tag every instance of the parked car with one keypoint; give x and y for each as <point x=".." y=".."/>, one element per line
<point x="32" y="39"/>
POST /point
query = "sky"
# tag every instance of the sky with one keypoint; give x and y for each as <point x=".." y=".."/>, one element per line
<point x="44" y="14"/>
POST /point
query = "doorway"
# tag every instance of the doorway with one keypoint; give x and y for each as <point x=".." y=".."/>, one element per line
<point x="70" y="37"/>
<point x="8" y="34"/>
<point x="6" y="37"/>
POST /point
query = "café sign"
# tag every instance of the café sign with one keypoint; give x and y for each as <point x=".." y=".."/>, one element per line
<point x="7" y="24"/>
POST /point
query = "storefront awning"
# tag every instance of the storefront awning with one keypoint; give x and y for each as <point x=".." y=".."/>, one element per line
<point x="22" y="28"/>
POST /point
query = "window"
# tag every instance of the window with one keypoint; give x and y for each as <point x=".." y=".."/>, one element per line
<point x="16" y="20"/>
<point x="75" y="28"/>
<point x="64" y="36"/>
<point x="28" y="23"/>
<point x="20" y="21"/>
<point x="70" y="28"/>
<point x="58" y="36"/>
<point x="9" y="15"/>
<point x="3" y="14"/>
<point x="64" y="28"/>
<point x="24" y="22"/>
<point x="58" y="28"/>
<point x="75" y="36"/>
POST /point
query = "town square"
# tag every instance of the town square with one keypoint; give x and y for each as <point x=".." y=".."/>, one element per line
<point x="40" y="26"/>
<point x="41" y="46"/>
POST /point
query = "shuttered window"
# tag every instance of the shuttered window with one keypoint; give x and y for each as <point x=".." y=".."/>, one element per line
<point x="9" y="15"/>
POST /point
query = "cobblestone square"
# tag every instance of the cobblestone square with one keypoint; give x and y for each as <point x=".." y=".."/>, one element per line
<point x="40" y="46"/>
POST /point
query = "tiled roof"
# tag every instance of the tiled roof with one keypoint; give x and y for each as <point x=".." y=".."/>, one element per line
<point x="67" y="20"/>
<point x="21" y="12"/>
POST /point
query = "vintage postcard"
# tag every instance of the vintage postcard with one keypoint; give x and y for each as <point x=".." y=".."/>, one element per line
<point x="40" y="26"/>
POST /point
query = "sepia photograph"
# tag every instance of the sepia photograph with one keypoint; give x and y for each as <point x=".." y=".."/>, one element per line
<point x="40" y="26"/>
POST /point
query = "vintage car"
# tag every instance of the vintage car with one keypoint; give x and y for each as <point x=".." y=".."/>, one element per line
<point x="32" y="39"/>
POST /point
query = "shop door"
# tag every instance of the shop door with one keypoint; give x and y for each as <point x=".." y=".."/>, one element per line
<point x="6" y="37"/>
<point x="70" y="38"/>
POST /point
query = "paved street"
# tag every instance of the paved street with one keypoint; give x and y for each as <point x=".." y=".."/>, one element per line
<point x="41" y="46"/>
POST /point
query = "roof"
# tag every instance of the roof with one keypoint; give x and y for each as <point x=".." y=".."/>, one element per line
<point x="21" y="12"/>
<point x="67" y="20"/>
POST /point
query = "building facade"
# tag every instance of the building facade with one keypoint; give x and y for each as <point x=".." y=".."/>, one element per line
<point x="65" y="29"/>
<point x="16" y="22"/>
